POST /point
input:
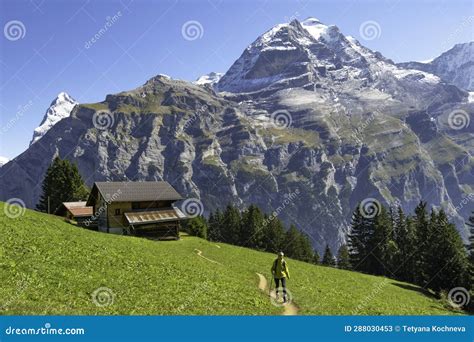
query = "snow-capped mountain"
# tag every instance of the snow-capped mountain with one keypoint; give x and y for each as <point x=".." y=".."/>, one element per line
<point x="455" y="66"/>
<point x="306" y="117"/>
<point x="59" y="109"/>
<point x="310" y="54"/>
<point x="211" y="78"/>
<point x="3" y="160"/>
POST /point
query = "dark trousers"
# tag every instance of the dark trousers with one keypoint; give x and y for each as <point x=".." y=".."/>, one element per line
<point x="283" y="284"/>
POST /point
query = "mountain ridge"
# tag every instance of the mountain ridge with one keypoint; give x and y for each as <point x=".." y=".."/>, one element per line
<point x="335" y="130"/>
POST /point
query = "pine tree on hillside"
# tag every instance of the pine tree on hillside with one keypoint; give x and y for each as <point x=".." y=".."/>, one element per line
<point x="381" y="244"/>
<point x="305" y="252"/>
<point x="470" y="248"/>
<point x="231" y="225"/>
<point x="214" y="230"/>
<point x="448" y="260"/>
<point x="274" y="235"/>
<point x="291" y="243"/>
<point x="196" y="226"/>
<point x="405" y="240"/>
<point x="252" y="229"/>
<point x="423" y="234"/>
<point x="316" y="258"/>
<point x="359" y="240"/>
<point x="62" y="183"/>
<point x="343" y="261"/>
<point x="328" y="258"/>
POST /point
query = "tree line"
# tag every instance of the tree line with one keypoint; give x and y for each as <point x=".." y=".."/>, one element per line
<point x="252" y="228"/>
<point x="423" y="248"/>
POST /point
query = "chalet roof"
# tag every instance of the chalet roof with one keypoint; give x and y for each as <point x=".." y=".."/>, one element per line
<point x="144" y="217"/>
<point x="78" y="208"/>
<point x="134" y="192"/>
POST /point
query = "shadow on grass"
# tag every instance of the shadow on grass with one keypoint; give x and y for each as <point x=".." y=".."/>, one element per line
<point x="417" y="289"/>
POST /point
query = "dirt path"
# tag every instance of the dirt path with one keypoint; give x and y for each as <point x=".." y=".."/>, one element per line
<point x="290" y="309"/>
<point x="199" y="253"/>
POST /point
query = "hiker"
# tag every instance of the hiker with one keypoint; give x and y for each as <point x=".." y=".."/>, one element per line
<point x="280" y="273"/>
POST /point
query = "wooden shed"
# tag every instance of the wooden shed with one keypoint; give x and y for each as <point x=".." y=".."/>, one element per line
<point x="136" y="208"/>
<point x="77" y="211"/>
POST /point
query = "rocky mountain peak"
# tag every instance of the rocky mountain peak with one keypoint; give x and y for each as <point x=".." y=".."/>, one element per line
<point x="60" y="108"/>
<point x="454" y="66"/>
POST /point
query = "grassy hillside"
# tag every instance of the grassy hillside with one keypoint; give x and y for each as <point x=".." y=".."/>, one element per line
<point x="48" y="266"/>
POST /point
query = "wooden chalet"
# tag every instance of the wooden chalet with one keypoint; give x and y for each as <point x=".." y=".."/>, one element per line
<point x="136" y="208"/>
<point x="76" y="211"/>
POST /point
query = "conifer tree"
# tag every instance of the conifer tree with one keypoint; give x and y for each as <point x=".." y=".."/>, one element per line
<point x="196" y="226"/>
<point x="381" y="245"/>
<point x="316" y="258"/>
<point x="291" y="243"/>
<point x="62" y="183"/>
<point x="359" y="240"/>
<point x="328" y="258"/>
<point x="252" y="228"/>
<point x="274" y="234"/>
<point x="214" y="226"/>
<point x="422" y="230"/>
<point x="448" y="259"/>
<point x="406" y="245"/>
<point x="343" y="261"/>
<point x="231" y="225"/>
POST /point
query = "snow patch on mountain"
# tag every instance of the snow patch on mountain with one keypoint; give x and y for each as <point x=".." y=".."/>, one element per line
<point x="211" y="78"/>
<point x="455" y="66"/>
<point x="3" y="160"/>
<point x="59" y="109"/>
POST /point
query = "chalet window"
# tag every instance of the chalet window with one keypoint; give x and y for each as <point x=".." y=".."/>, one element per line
<point x="135" y="205"/>
<point x="117" y="211"/>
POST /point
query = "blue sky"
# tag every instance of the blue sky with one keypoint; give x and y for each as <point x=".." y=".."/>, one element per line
<point x="53" y="54"/>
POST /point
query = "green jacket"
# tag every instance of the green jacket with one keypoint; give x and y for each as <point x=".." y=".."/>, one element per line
<point x="280" y="269"/>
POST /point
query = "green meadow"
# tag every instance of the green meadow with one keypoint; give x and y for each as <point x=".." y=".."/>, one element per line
<point x="51" y="267"/>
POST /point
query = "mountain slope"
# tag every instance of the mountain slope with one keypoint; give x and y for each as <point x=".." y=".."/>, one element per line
<point x="3" y="161"/>
<point x="211" y="78"/>
<point x="60" y="108"/>
<point x="456" y="66"/>
<point x="55" y="268"/>
<point x="315" y="124"/>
